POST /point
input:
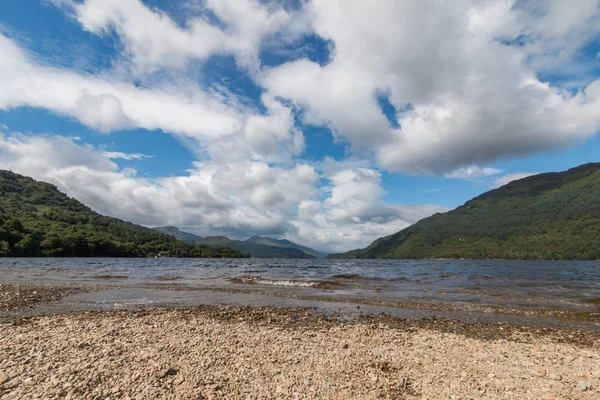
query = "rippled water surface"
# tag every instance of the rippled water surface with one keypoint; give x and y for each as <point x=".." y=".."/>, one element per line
<point x="551" y="288"/>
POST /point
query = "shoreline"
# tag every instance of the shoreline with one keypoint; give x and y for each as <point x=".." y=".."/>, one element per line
<point x="27" y="300"/>
<point x="220" y="351"/>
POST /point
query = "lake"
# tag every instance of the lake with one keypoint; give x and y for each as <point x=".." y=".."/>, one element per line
<point x="544" y="293"/>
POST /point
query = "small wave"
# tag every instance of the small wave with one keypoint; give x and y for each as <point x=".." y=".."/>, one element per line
<point x="346" y="276"/>
<point x="477" y="278"/>
<point x="168" y="278"/>
<point x="254" y="280"/>
<point x="448" y="275"/>
<point x="356" y="278"/>
<point x="111" y="276"/>
<point x="400" y="279"/>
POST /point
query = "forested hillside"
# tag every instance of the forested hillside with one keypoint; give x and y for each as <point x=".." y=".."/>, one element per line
<point x="546" y="216"/>
<point x="36" y="219"/>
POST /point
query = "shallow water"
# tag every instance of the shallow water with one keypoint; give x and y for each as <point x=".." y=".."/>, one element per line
<point x="500" y="290"/>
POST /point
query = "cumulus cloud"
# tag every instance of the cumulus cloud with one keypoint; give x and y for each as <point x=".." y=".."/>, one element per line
<point x="503" y="180"/>
<point x="353" y="213"/>
<point x="152" y="40"/>
<point x="125" y="156"/>
<point x="209" y="123"/>
<point x="463" y="77"/>
<point x="472" y="172"/>
<point x="465" y="90"/>
<point x="106" y="104"/>
<point x="237" y="199"/>
<point x="103" y="112"/>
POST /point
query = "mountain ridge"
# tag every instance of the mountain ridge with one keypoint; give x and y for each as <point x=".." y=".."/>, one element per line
<point x="256" y="246"/>
<point x="284" y="243"/>
<point x="553" y="215"/>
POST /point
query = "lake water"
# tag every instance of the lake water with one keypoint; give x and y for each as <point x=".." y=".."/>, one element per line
<point x="565" y="293"/>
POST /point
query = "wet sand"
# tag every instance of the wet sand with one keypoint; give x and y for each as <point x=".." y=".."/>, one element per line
<point x="288" y="353"/>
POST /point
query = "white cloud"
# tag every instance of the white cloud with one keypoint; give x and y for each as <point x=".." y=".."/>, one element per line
<point x="103" y="112"/>
<point x="472" y="172"/>
<point x="353" y="214"/>
<point x="209" y="122"/>
<point x="107" y="104"/>
<point x="152" y="40"/>
<point x="503" y="180"/>
<point x="463" y="76"/>
<point x="237" y="199"/>
<point x="125" y="156"/>
<point x="464" y="95"/>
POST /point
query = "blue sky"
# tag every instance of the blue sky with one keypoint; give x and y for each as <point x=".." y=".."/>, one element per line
<point x="325" y="122"/>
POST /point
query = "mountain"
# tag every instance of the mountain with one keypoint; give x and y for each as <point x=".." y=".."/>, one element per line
<point x="256" y="250"/>
<point x="37" y="220"/>
<point x="179" y="235"/>
<point x="284" y="243"/>
<point x="256" y="246"/>
<point x="546" y="216"/>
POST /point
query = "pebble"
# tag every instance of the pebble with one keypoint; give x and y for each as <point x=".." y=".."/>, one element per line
<point x="66" y="370"/>
<point x="585" y="385"/>
<point x="244" y="352"/>
<point x="4" y="378"/>
<point x="178" y="381"/>
<point x="555" y="377"/>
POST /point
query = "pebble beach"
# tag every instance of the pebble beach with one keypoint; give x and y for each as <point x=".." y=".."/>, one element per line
<point x="233" y="352"/>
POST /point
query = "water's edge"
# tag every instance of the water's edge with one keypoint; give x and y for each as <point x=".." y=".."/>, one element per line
<point x="533" y="293"/>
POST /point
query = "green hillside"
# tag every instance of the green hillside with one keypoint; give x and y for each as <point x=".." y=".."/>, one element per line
<point x="37" y="220"/>
<point x="546" y="216"/>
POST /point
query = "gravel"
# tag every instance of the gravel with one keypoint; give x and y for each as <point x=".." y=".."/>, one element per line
<point x="215" y="352"/>
<point x="14" y="297"/>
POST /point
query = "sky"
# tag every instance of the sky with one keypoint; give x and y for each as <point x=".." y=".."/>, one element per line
<point x="330" y="123"/>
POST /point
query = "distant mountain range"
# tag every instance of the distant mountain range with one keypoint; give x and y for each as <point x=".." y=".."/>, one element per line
<point x="37" y="220"/>
<point x="545" y="216"/>
<point x="256" y="246"/>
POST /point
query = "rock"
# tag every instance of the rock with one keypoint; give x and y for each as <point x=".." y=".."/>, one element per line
<point x="166" y="372"/>
<point x="584" y="385"/>
<point x="66" y="370"/>
<point x="4" y="378"/>
<point x="9" y="396"/>
<point x="178" y="381"/>
<point x="404" y="382"/>
<point x="555" y="377"/>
